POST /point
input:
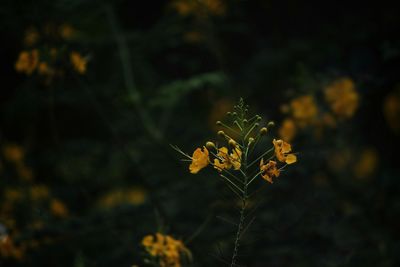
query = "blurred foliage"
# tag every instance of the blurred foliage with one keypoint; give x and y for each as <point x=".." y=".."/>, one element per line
<point x="95" y="91"/>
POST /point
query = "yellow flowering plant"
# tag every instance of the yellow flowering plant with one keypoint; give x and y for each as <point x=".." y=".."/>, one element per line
<point x="236" y="164"/>
<point x="165" y="251"/>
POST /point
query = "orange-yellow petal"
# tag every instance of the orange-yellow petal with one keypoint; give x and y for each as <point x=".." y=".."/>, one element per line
<point x="200" y="160"/>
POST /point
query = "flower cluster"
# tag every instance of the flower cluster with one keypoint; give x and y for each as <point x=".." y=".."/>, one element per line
<point x="235" y="154"/>
<point x="234" y="160"/>
<point x="166" y="250"/>
<point x="46" y="52"/>
<point x="341" y="101"/>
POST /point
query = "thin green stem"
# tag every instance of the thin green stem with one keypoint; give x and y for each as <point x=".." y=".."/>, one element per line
<point x="252" y="179"/>
<point x="232" y="183"/>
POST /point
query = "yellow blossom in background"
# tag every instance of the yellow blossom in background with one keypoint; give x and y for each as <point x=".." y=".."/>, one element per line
<point x="45" y="69"/>
<point x="58" y="209"/>
<point x="269" y="170"/>
<point x="31" y="36"/>
<point x="366" y="164"/>
<point x="135" y="196"/>
<point x="24" y="172"/>
<point x="13" y="195"/>
<point x="194" y="37"/>
<point x="282" y="150"/>
<point x="66" y="31"/>
<point x="166" y="249"/>
<point x="27" y="61"/>
<point x="78" y="62"/>
<point x="342" y="97"/>
<point x="288" y="130"/>
<point x="39" y="192"/>
<point x="200" y="160"/>
<point x="200" y="9"/>
<point x="304" y="110"/>
<point x="391" y="110"/>
<point x="9" y="250"/>
<point x="13" y="153"/>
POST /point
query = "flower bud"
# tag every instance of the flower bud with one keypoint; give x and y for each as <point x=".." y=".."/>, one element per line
<point x="251" y="140"/>
<point x="219" y="123"/>
<point x="232" y="142"/>
<point x="263" y="131"/>
<point x="221" y="133"/>
<point x="270" y="124"/>
<point x="256" y="124"/>
<point x="258" y="118"/>
<point x="245" y="121"/>
<point x="210" y="145"/>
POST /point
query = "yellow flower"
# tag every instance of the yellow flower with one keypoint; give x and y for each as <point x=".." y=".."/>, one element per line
<point x="27" y="61"/>
<point x="31" y="36"/>
<point x="282" y="150"/>
<point x="13" y="153"/>
<point x="366" y="164"/>
<point x="288" y="130"/>
<point x="9" y="250"/>
<point x="39" y="192"/>
<point x="200" y="9"/>
<point x="45" y="69"/>
<point x="342" y="97"/>
<point x="58" y="208"/>
<point x="24" y="171"/>
<point x="200" y="160"/>
<point x="391" y="110"/>
<point x="226" y="161"/>
<point x="304" y="110"/>
<point x="78" y="62"/>
<point x="167" y="249"/>
<point x="66" y="31"/>
<point x="269" y="170"/>
<point x="135" y="195"/>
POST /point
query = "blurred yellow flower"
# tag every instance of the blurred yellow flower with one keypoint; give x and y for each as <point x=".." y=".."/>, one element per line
<point x="44" y="69"/>
<point x="58" y="209"/>
<point x="66" y="31"/>
<point x="282" y="150"/>
<point x="166" y="249"/>
<point x="391" y="110"/>
<point x="226" y="161"/>
<point x="200" y="9"/>
<point x="269" y="170"/>
<point x="12" y="194"/>
<point x="27" y="61"/>
<point x="78" y="62"/>
<point x="9" y="250"/>
<point x="39" y="192"/>
<point x="366" y="164"/>
<point x="24" y="172"/>
<point x="342" y="97"/>
<point x="31" y="36"/>
<point x="288" y="130"/>
<point x="13" y="153"/>
<point x="135" y="196"/>
<point x="194" y="37"/>
<point x="304" y="110"/>
<point x="200" y="160"/>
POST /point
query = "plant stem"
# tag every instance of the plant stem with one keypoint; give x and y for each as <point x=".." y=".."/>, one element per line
<point x="239" y="231"/>
<point x="242" y="212"/>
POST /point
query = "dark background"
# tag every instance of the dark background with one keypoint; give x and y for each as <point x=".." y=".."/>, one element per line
<point x="87" y="136"/>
